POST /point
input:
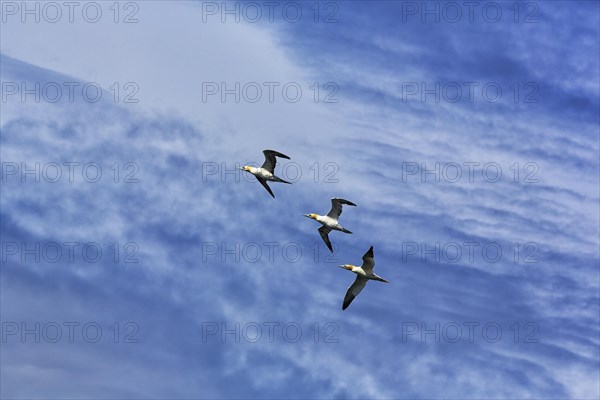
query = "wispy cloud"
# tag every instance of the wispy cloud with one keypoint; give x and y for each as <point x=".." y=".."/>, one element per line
<point x="390" y="152"/>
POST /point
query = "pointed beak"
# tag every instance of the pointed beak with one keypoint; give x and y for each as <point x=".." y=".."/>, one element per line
<point x="342" y="266"/>
<point x="242" y="168"/>
<point x="307" y="215"/>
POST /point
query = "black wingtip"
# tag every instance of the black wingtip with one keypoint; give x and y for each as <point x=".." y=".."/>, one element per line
<point x="348" y="301"/>
<point x="276" y="153"/>
<point x="264" y="184"/>
<point x="344" y="201"/>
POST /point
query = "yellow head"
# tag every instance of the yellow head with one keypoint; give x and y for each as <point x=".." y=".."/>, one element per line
<point x="313" y="216"/>
<point x="347" y="266"/>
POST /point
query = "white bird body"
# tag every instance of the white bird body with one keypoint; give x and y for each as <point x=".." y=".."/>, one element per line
<point x="358" y="270"/>
<point x="330" y="221"/>
<point x="261" y="173"/>
<point x="364" y="273"/>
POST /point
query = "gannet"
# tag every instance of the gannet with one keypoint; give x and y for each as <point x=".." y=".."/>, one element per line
<point x="330" y="221"/>
<point x="363" y="274"/>
<point x="265" y="173"/>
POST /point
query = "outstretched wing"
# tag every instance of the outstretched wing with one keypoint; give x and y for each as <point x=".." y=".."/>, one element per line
<point x="368" y="261"/>
<point x="336" y="207"/>
<point x="324" y="232"/>
<point x="270" y="159"/>
<point x="354" y="290"/>
<point x="264" y="183"/>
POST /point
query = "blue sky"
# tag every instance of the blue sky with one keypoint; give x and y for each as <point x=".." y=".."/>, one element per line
<point x="218" y="259"/>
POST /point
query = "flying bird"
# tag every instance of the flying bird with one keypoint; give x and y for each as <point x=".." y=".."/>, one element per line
<point x="363" y="274"/>
<point x="330" y="221"/>
<point x="266" y="172"/>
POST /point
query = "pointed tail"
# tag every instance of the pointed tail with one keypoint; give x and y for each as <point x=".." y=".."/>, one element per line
<point x="278" y="179"/>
